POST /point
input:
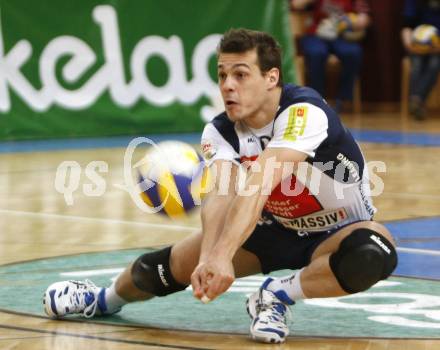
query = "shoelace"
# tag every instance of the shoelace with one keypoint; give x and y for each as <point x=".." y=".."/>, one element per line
<point x="272" y="314"/>
<point x="278" y="311"/>
<point x="79" y="298"/>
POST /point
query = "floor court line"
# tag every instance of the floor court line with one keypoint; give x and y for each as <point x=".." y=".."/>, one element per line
<point x="93" y="337"/>
<point x="361" y="135"/>
<point x="90" y="219"/>
<point x="146" y="224"/>
<point x="419" y="251"/>
<point x="19" y="197"/>
<point x="116" y="192"/>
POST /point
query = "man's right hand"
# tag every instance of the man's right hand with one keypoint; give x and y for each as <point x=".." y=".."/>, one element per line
<point x="212" y="278"/>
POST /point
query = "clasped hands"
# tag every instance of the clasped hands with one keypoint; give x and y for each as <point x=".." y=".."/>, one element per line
<point x="212" y="278"/>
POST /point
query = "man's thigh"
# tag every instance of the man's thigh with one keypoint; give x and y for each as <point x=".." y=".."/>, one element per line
<point x="185" y="257"/>
<point x="278" y="248"/>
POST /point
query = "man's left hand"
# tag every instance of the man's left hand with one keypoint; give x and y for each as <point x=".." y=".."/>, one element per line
<point x="212" y="278"/>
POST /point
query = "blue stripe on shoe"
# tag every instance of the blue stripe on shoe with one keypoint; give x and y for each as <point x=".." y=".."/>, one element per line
<point x="266" y="282"/>
<point x="281" y="308"/>
<point x="102" y="305"/>
<point x="52" y="301"/>
<point x="89" y="298"/>
<point x="282" y="295"/>
<point x="273" y="330"/>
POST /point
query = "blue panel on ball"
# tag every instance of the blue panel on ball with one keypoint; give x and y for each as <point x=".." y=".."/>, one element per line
<point x="183" y="184"/>
<point x="152" y="194"/>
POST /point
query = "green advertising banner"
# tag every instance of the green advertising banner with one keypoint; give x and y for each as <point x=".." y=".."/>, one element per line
<point x="92" y="68"/>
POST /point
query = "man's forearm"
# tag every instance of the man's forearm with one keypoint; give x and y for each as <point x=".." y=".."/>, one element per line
<point x="214" y="213"/>
<point x="244" y="212"/>
<point x="265" y="173"/>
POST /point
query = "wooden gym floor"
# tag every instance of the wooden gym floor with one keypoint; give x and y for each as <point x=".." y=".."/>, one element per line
<point x="36" y="223"/>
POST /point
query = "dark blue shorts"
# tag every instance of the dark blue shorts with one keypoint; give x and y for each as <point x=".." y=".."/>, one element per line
<point x="278" y="248"/>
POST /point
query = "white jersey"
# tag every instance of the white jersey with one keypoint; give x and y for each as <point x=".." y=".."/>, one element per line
<point x="330" y="189"/>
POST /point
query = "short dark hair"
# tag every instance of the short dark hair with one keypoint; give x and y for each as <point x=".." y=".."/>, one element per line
<point x="241" y="40"/>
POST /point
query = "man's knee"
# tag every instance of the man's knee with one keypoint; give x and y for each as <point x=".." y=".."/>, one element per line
<point x="350" y="54"/>
<point x="151" y="273"/>
<point x="363" y="258"/>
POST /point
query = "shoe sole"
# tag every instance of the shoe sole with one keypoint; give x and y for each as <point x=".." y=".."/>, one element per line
<point x="264" y="337"/>
<point x="252" y="312"/>
<point x="267" y="340"/>
<point x="47" y="306"/>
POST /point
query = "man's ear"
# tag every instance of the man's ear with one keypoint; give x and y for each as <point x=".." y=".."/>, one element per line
<point x="273" y="76"/>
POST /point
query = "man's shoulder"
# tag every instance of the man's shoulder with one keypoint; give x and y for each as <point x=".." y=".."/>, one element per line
<point x="221" y="119"/>
<point x="224" y="128"/>
<point x="302" y="101"/>
<point x="298" y="92"/>
<point x="294" y="94"/>
<point x="222" y="124"/>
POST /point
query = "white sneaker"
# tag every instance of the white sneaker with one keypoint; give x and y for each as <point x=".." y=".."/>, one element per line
<point x="72" y="297"/>
<point x="269" y="316"/>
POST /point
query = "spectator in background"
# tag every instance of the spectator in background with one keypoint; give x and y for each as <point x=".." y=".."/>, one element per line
<point x="423" y="50"/>
<point x="337" y="28"/>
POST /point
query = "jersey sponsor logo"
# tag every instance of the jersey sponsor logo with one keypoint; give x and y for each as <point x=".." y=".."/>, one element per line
<point x="208" y="149"/>
<point x="366" y="200"/>
<point x="301" y="204"/>
<point x="296" y="123"/>
<point x="352" y="168"/>
<point x="316" y="222"/>
<point x="285" y="208"/>
<point x="251" y="140"/>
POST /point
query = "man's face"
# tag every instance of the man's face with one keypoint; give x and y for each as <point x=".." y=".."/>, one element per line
<point x="243" y="87"/>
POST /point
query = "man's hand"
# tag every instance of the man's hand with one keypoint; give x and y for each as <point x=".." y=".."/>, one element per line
<point x="212" y="278"/>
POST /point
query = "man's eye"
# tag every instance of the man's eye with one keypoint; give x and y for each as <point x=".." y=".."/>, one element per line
<point x="221" y="76"/>
<point x="240" y="75"/>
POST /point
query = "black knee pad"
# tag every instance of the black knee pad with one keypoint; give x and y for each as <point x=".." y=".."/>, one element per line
<point x="362" y="259"/>
<point x="151" y="273"/>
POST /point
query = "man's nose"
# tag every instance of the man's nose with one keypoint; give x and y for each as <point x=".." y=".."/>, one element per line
<point x="228" y="84"/>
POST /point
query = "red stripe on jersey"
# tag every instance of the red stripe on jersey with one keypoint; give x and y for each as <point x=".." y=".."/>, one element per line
<point x="286" y="206"/>
<point x="247" y="159"/>
<point x="296" y="206"/>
